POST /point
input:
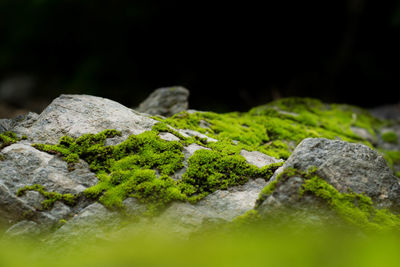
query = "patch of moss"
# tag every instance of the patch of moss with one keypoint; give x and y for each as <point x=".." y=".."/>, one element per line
<point x="390" y="137"/>
<point x="355" y="209"/>
<point x="2" y="157"/>
<point x="8" y="138"/>
<point x="276" y="128"/>
<point x="50" y="197"/>
<point x="141" y="167"/>
<point x="211" y="170"/>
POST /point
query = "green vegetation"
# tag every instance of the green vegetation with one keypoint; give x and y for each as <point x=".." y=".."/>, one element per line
<point x="390" y="137"/>
<point x="392" y="157"/>
<point x="141" y="167"/>
<point x="9" y="138"/>
<point x="50" y="197"/>
<point x="276" y="128"/>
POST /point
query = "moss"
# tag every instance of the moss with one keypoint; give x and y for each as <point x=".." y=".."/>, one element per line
<point x="355" y="209"/>
<point x="276" y="128"/>
<point x="8" y="138"/>
<point x="390" y="137"/>
<point x="50" y="197"/>
<point x="2" y="157"/>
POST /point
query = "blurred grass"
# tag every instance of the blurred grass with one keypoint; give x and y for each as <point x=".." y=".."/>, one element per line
<point x="252" y="247"/>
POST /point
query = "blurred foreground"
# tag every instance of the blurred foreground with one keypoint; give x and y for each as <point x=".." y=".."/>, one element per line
<point x="259" y="246"/>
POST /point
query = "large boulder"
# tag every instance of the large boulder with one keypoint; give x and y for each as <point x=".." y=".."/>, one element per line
<point x="348" y="167"/>
<point x="75" y="115"/>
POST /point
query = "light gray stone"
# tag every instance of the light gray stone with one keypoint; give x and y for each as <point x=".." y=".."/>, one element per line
<point x="168" y="137"/>
<point x="75" y="115"/>
<point x="258" y="159"/>
<point x="166" y="101"/>
<point x="222" y="205"/>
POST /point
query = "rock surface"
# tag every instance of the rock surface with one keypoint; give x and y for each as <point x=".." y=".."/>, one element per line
<point x="348" y="167"/>
<point x="166" y="101"/>
<point x="24" y="165"/>
<point x="75" y="115"/>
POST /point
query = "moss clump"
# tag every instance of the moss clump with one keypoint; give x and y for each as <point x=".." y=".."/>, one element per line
<point x="211" y="170"/>
<point x="50" y="197"/>
<point x="8" y="138"/>
<point x="141" y="167"/>
<point x="355" y="209"/>
<point x="2" y="157"/>
<point x="390" y="137"/>
<point x="276" y="128"/>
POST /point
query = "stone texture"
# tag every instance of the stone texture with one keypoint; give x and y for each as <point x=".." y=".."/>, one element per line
<point x="25" y="165"/>
<point x="165" y="101"/>
<point x="75" y="115"/>
<point x="258" y="159"/>
<point x="95" y="221"/>
<point x="222" y="205"/>
<point x="348" y="166"/>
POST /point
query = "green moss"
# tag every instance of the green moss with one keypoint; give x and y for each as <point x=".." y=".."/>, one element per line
<point x="8" y="138"/>
<point x="2" y="157"/>
<point x="390" y="137"/>
<point x="276" y="128"/>
<point x="50" y="197"/>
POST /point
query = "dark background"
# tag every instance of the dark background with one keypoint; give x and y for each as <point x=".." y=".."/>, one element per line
<point x="232" y="56"/>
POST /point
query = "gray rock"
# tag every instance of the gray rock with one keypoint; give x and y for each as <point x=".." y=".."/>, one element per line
<point x="95" y="221"/>
<point x="364" y="134"/>
<point x="258" y="159"/>
<point x="25" y="165"/>
<point x="22" y="230"/>
<point x="285" y="205"/>
<point x="348" y="167"/>
<point x="5" y="125"/>
<point x="75" y="115"/>
<point x="168" y="137"/>
<point x="188" y="133"/>
<point x="133" y="207"/>
<point x="387" y="112"/>
<point x="222" y="205"/>
<point x="165" y="101"/>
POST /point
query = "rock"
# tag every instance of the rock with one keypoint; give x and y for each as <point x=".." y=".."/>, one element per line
<point x="24" y="165"/>
<point x="165" y="101"/>
<point x="22" y="230"/>
<point x="188" y="133"/>
<point x="94" y="221"/>
<point x="387" y="112"/>
<point x="348" y="167"/>
<point x="168" y="137"/>
<point x="364" y="134"/>
<point x="285" y="205"/>
<point x="133" y="207"/>
<point x="222" y="205"/>
<point x="75" y="115"/>
<point x="258" y="159"/>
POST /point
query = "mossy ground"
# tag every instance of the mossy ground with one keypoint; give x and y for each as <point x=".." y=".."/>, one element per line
<point x="142" y="165"/>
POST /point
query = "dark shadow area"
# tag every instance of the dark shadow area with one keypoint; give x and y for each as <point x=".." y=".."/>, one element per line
<point x="231" y="56"/>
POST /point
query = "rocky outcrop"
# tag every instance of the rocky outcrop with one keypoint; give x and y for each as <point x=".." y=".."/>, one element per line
<point x="204" y="176"/>
<point x="348" y="167"/>
<point x="165" y="101"/>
